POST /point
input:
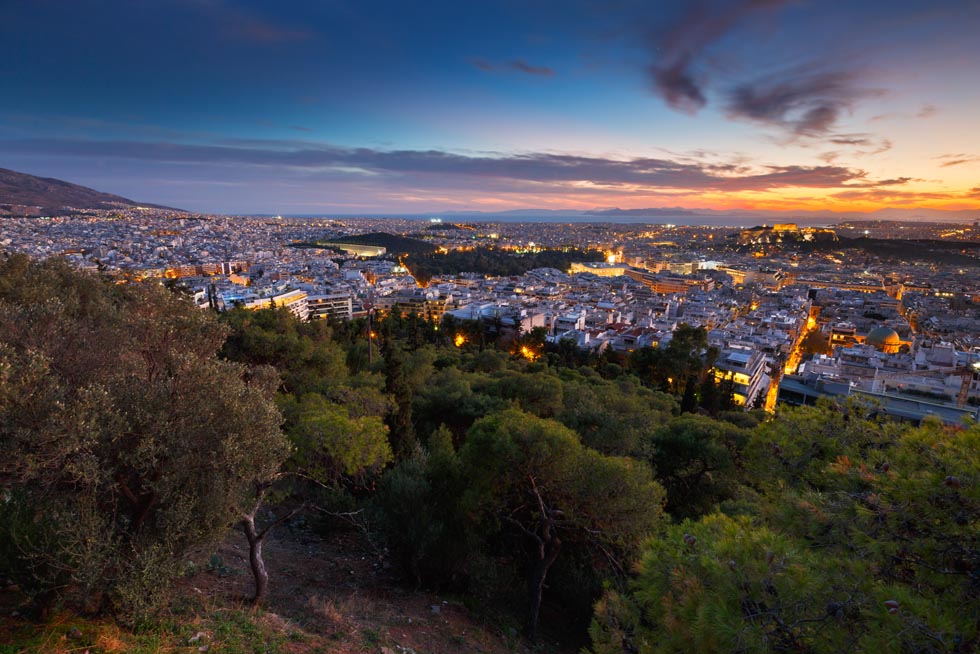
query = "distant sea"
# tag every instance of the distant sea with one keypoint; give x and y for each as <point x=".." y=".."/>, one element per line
<point x="677" y="216"/>
<point x="680" y="221"/>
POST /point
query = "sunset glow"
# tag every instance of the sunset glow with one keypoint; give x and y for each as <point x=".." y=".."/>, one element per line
<point x="387" y="107"/>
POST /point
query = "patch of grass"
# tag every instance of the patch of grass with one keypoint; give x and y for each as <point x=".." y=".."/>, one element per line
<point x="226" y="630"/>
<point x="371" y="636"/>
<point x="243" y="631"/>
<point x="216" y="564"/>
<point x="65" y="634"/>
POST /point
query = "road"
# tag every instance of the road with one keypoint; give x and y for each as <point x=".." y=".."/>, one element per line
<point x="792" y="363"/>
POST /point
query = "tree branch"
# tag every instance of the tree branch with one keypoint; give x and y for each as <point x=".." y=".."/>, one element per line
<point x="527" y="532"/>
<point x="280" y="520"/>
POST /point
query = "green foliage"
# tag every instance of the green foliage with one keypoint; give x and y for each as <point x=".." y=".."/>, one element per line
<point x="613" y="417"/>
<point x="794" y="448"/>
<point x="727" y="585"/>
<point x="532" y="477"/>
<point x="696" y="458"/>
<point x="608" y="415"/>
<point x="419" y="513"/>
<point x="122" y="433"/>
<point x="860" y="535"/>
<point x="303" y="352"/>
<point x="328" y="443"/>
<point x="399" y="384"/>
<point x="406" y="513"/>
<point x="744" y="419"/>
<point x="495" y="262"/>
<point x="536" y="393"/>
<point x="816" y="343"/>
<point x="449" y="399"/>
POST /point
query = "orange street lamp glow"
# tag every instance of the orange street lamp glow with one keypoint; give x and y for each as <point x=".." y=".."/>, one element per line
<point x="529" y="354"/>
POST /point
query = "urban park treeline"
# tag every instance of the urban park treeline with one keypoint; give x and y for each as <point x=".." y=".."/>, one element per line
<point x="625" y="493"/>
<point x="496" y="262"/>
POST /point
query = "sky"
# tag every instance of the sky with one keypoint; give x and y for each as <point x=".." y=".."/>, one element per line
<point x="370" y="106"/>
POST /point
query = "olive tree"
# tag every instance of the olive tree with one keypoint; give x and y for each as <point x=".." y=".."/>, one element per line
<point x="331" y="418"/>
<point x="124" y="442"/>
<point x="328" y="444"/>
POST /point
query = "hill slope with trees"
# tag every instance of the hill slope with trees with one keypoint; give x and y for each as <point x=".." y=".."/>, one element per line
<point x="611" y="503"/>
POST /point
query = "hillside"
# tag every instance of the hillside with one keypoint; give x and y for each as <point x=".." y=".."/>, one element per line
<point x="23" y="194"/>
<point x="330" y="595"/>
<point x="406" y="486"/>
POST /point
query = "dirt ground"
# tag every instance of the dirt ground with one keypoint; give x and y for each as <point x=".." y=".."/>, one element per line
<point x="333" y="595"/>
<point x="347" y="599"/>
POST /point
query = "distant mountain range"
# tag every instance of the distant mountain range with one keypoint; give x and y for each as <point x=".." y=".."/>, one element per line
<point x="23" y="194"/>
<point x="685" y="216"/>
<point x="26" y="195"/>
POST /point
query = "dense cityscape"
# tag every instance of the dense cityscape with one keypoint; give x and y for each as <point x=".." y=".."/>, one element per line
<point x="790" y="324"/>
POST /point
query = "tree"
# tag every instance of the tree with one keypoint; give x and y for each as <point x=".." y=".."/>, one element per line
<point x="303" y="352"/>
<point x="124" y="441"/>
<point x="537" y="393"/>
<point x="328" y="444"/>
<point x="795" y="447"/>
<point x="689" y="400"/>
<point x="857" y="535"/>
<point x="613" y="416"/>
<point x="332" y="418"/>
<point x="534" y="476"/>
<point x="686" y="356"/>
<point x="449" y="399"/>
<point x="696" y="459"/>
<point x="729" y="585"/>
<point x="418" y="511"/>
<point x="399" y="386"/>
<point x="815" y="342"/>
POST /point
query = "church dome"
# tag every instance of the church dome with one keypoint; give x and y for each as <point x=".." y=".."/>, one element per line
<point x="883" y="337"/>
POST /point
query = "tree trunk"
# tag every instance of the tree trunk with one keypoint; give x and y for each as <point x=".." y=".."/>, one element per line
<point x="547" y="553"/>
<point x="255" y="558"/>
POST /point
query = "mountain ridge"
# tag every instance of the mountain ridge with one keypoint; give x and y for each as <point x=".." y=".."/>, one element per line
<point x="25" y="194"/>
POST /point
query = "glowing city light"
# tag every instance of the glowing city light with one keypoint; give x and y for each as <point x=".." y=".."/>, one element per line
<point x="529" y="354"/>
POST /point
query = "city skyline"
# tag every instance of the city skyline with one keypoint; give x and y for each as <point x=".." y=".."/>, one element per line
<point x="379" y="107"/>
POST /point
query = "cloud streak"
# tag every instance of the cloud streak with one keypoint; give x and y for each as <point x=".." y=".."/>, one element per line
<point x="515" y="66"/>
<point x="803" y="102"/>
<point x="894" y="196"/>
<point x="238" y="23"/>
<point x="950" y="160"/>
<point x="453" y="170"/>
<point x="674" y="75"/>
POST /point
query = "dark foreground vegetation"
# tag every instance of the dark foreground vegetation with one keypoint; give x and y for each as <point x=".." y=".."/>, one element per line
<point x="620" y="501"/>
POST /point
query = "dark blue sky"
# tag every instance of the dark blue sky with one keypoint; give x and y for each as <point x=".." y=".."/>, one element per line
<point x="333" y="106"/>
